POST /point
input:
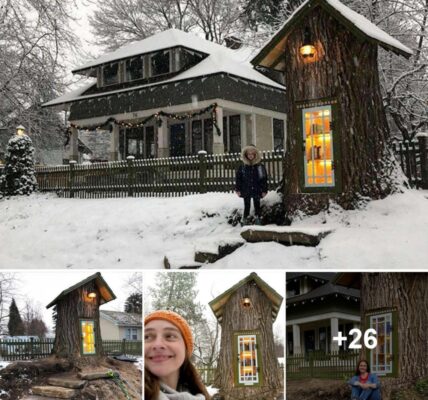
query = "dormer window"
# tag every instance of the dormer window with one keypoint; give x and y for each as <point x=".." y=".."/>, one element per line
<point x="110" y="74"/>
<point x="134" y="69"/>
<point x="189" y="58"/>
<point x="160" y="63"/>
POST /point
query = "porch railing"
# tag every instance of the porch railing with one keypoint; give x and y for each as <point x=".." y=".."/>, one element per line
<point x="334" y="365"/>
<point x="14" y="350"/>
<point x="166" y="177"/>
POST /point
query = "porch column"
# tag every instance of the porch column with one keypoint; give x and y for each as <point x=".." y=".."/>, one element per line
<point x="114" y="143"/>
<point x="243" y="123"/>
<point x="163" y="150"/>
<point x="254" y="129"/>
<point x="74" y="149"/>
<point x="296" y="340"/>
<point x="218" y="145"/>
<point x="334" y="327"/>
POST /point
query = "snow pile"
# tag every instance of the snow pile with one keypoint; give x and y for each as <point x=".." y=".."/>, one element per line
<point x="42" y="231"/>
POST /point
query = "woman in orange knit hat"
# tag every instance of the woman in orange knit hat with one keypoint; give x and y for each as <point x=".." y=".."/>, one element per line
<point x="168" y="373"/>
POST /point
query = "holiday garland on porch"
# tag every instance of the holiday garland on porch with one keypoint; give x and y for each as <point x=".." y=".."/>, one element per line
<point x="158" y="116"/>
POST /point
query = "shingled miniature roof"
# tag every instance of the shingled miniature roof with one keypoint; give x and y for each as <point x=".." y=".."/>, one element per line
<point x="355" y="22"/>
<point x="104" y="289"/>
<point x="220" y="301"/>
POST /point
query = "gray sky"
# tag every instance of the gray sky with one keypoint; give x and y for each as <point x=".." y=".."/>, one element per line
<point x="212" y="283"/>
<point x="41" y="287"/>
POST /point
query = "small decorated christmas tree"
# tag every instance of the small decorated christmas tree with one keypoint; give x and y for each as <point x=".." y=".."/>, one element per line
<point x="19" y="174"/>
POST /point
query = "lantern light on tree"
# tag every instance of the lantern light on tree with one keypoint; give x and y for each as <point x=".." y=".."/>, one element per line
<point x="338" y="136"/>
<point x="246" y="313"/>
<point x="20" y="130"/>
<point x="77" y="325"/>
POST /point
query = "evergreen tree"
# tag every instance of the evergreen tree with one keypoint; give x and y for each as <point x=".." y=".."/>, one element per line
<point x="134" y="303"/>
<point x="19" y="172"/>
<point x="177" y="292"/>
<point x="37" y="327"/>
<point x="262" y="12"/>
<point x="15" y="325"/>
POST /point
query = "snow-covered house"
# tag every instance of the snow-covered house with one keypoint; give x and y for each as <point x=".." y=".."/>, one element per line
<point x="174" y="94"/>
<point x="118" y="325"/>
<point x="317" y="309"/>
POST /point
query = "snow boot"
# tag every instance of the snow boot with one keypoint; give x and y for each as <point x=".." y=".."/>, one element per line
<point x="257" y="221"/>
<point x="244" y="221"/>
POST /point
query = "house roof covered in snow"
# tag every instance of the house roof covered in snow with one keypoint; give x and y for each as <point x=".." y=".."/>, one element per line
<point x="217" y="305"/>
<point x="218" y="59"/>
<point x="102" y="286"/>
<point x="121" y="318"/>
<point x="355" y="22"/>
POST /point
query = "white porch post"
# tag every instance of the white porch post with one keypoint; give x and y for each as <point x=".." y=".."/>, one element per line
<point x="297" y="349"/>
<point x="254" y="129"/>
<point x="163" y="150"/>
<point x="114" y="143"/>
<point x="243" y="123"/>
<point x="74" y="149"/>
<point x="218" y="145"/>
<point x="334" y="327"/>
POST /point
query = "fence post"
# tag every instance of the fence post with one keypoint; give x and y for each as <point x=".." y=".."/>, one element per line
<point x="423" y="143"/>
<point x="131" y="175"/>
<point x="31" y="347"/>
<point x="72" y="174"/>
<point x="123" y="346"/>
<point x="202" y="155"/>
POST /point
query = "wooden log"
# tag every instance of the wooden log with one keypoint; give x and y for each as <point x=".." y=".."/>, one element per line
<point x="90" y="376"/>
<point x="67" y="383"/>
<point x="285" y="235"/>
<point x="55" y="391"/>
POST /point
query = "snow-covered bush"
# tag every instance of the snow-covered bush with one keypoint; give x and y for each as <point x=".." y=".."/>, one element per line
<point x="19" y="173"/>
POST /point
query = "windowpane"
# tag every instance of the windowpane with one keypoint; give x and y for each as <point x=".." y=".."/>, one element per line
<point x="196" y="136"/>
<point x="381" y="356"/>
<point x="208" y="135"/>
<point x="235" y="133"/>
<point x="248" y="362"/>
<point x="88" y="337"/>
<point x="160" y="63"/>
<point x="134" y="69"/>
<point x="318" y="158"/>
<point x="150" y="142"/>
<point x="278" y="134"/>
<point x="110" y="74"/>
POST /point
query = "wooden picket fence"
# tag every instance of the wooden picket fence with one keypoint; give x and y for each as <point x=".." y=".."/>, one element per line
<point x="162" y="177"/>
<point x="334" y="365"/>
<point x="14" y="350"/>
<point x="412" y="156"/>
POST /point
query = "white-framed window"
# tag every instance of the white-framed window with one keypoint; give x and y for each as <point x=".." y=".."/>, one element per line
<point x="318" y="145"/>
<point x="131" y="334"/>
<point x="278" y="131"/>
<point x="134" y="69"/>
<point x="381" y="357"/>
<point x="160" y="63"/>
<point x="248" y="365"/>
<point x="110" y="73"/>
<point x="232" y="133"/>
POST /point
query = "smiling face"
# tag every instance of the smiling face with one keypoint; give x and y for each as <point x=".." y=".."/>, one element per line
<point x="164" y="351"/>
<point x="362" y="367"/>
<point x="251" y="155"/>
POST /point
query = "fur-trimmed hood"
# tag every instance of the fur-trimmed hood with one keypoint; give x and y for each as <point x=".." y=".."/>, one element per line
<point x="244" y="158"/>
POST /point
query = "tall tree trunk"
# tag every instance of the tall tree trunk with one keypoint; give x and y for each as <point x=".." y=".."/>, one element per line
<point x="345" y="73"/>
<point x="406" y="293"/>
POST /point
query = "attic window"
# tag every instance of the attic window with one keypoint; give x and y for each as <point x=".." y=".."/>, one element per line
<point x="160" y="63"/>
<point x="134" y="69"/>
<point x="189" y="58"/>
<point x="110" y="74"/>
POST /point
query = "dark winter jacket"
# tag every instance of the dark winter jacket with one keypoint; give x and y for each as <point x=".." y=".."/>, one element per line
<point x="251" y="176"/>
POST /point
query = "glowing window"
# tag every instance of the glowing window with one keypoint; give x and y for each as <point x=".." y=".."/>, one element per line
<point x="88" y="336"/>
<point x="248" y="366"/>
<point x="318" y="146"/>
<point x="381" y="358"/>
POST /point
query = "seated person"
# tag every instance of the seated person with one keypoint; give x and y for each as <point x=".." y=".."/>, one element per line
<point x="365" y="386"/>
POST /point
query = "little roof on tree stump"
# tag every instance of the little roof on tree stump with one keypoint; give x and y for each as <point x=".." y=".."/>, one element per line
<point x="77" y="330"/>
<point x="338" y="135"/>
<point x="248" y="366"/>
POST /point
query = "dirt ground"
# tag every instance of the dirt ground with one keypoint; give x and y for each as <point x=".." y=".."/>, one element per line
<point x="17" y="379"/>
<point x="324" y="389"/>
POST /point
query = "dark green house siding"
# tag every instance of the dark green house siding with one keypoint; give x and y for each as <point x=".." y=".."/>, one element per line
<point x="219" y="86"/>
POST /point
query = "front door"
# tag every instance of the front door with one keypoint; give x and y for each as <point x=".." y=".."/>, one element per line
<point x="87" y="331"/>
<point x="177" y="140"/>
<point x="309" y="340"/>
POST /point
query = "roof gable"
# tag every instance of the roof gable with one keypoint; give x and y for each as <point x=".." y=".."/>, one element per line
<point x="121" y="318"/>
<point x="220" y="301"/>
<point x="354" y="22"/>
<point x="104" y="289"/>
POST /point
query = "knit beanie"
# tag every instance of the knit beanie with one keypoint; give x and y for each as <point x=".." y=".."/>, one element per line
<point x="176" y="320"/>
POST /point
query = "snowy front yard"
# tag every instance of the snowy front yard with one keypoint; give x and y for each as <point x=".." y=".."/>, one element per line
<point x="43" y="231"/>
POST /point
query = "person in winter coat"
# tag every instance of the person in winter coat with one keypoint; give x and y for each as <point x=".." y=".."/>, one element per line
<point x="365" y="385"/>
<point x="168" y="373"/>
<point x="251" y="181"/>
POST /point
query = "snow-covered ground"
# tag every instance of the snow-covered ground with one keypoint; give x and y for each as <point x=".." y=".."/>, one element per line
<point x="43" y="231"/>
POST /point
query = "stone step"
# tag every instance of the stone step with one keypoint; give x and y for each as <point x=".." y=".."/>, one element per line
<point x="66" y="382"/>
<point x="34" y="397"/>
<point x="56" y="392"/>
<point x="303" y="236"/>
<point x="90" y="376"/>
